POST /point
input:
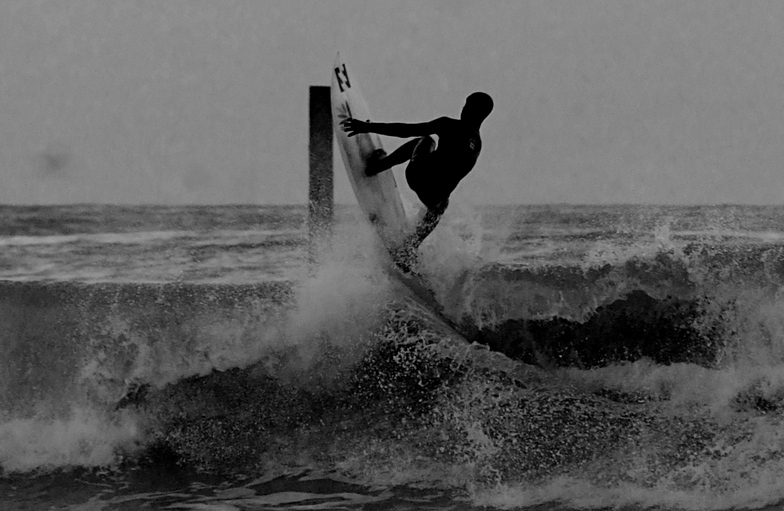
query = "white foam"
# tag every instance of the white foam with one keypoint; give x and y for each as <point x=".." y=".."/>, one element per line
<point x="580" y="494"/>
<point x="336" y="308"/>
<point x="683" y="386"/>
<point x="85" y="438"/>
<point x="144" y="237"/>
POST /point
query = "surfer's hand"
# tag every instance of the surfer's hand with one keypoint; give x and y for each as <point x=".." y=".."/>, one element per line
<point x="355" y="126"/>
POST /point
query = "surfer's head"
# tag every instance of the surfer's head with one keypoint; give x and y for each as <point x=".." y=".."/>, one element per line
<point x="477" y="107"/>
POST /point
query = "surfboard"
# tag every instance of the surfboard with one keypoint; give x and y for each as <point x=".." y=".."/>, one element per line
<point x="378" y="196"/>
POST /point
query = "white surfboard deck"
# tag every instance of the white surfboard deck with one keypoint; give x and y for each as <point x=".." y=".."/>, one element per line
<point x="378" y="196"/>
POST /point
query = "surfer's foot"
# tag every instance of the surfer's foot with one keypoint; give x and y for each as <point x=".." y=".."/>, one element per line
<point x="374" y="165"/>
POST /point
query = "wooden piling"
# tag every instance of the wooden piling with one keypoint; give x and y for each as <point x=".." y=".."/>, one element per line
<point x="321" y="181"/>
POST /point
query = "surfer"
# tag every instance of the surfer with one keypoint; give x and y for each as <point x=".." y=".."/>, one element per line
<point x="435" y="168"/>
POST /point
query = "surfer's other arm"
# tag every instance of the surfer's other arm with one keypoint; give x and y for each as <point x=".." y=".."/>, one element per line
<point x="391" y="129"/>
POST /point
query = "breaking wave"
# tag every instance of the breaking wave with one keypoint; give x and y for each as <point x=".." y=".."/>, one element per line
<point x="654" y="378"/>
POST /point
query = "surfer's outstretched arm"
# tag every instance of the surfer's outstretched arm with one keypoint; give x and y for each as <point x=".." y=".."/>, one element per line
<point x="391" y="129"/>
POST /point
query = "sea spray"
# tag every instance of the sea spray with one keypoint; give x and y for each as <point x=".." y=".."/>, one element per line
<point x="328" y="325"/>
<point x="86" y="437"/>
<point x="76" y="354"/>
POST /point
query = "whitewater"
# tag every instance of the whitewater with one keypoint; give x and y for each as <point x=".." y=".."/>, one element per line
<point x="206" y="357"/>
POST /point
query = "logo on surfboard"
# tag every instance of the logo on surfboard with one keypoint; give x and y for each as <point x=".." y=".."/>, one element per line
<point x="342" y="80"/>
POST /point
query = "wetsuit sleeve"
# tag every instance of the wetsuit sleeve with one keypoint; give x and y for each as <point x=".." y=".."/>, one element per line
<point x="406" y="130"/>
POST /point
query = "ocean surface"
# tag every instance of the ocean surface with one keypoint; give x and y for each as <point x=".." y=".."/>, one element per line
<point x="213" y="358"/>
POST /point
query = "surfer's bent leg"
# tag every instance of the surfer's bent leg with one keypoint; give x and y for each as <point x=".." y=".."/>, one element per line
<point x="379" y="161"/>
<point x="428" y="223"/>
<point x="405" y="256"/>
<point x="419" y="173"/>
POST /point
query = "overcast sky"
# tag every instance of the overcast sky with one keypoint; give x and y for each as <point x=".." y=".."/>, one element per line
<point x="195" y="101"/>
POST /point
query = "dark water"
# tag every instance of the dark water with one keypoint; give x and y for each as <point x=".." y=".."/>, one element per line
<point x="193" y="358"/>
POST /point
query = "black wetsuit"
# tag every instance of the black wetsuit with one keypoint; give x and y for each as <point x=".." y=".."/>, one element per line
<point x="434" y="170"/>
<point x="434" y="174"/>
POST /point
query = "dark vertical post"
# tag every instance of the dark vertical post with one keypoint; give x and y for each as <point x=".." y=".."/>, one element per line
<point x="321" y="194"/>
